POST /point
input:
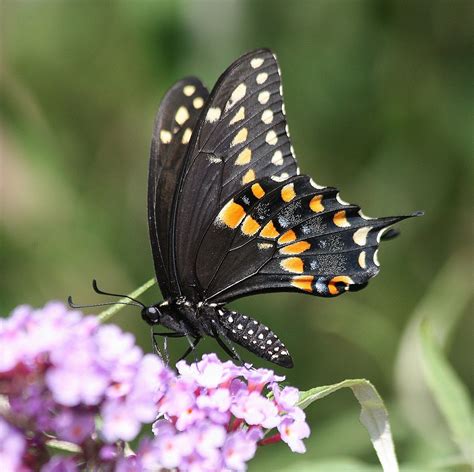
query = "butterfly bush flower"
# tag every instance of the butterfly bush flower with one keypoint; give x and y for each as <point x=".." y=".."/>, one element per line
<point x="66" y="377"/>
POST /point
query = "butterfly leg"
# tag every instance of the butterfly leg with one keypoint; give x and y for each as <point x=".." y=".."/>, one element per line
<point x="165" y="358"/>
<point x="192" y="346"/>
<point x="230" y="350"/>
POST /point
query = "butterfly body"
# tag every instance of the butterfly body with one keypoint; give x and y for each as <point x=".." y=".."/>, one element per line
<point x="230" y="215"/>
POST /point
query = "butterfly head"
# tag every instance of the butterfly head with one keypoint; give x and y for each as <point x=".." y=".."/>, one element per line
<point x="152" y="314"/>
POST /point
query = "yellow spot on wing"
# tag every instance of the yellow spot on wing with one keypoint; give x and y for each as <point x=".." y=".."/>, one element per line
<point x="181" y="115"/>
<point x="186" y="136"/>
<point x="258" y="191"/>
<point x="296" y="248"/>
<point x="287" y="237"/>
<point x="288" y="193"/>
<point x="188" y="90"/>
<point x="360" y="236"/>
<point x="333" y="289"/>
<point x="340" y="219"/>
<point x="231" y="214"/>
<point x="198" y="102"/>
<point x="293" y="264"/>
<point x="240" y="115"/>
<point x="237" y="94"/>
<point x="240" y="137"/>
<point x="303" y="282"/>
<point x="315" y="203"/>
<point x="165" y="136"/>
<point x="244" y="157"/>
<point x="277" y="158"/>
<point x="250" y="226"/>
<point x="269" y="231"/>
<point x="248" y="177"/>
<point x="361" y="260"/>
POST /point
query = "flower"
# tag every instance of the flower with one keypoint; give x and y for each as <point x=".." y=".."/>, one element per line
<point x="66" y="376"/>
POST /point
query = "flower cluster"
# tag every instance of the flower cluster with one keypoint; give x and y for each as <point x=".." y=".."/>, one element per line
<point x="66" y="377"/>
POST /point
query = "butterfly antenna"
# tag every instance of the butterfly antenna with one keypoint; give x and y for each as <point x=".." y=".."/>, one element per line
<point x="101" y="292"/>
<point x="75" y="306"/>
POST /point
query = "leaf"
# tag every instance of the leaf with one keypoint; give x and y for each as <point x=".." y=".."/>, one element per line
<point x="449" y="393"/>
<point x="107" y="314"/>
<point x="373" y="416"/>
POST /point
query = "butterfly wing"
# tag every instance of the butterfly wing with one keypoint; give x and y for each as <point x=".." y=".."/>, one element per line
<point x="175" y="120"/>
<point x="291" y="236"/>
<point x="241" y="136"/>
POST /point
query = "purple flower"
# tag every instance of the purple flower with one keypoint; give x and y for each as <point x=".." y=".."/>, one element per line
<point x="256" y="410"/>
<point x="292" y="432"/>
<point x="12" y="447"/>
<point x="239" y="448"/>
<point x="74" y="426"/>
<point x="67" y="377"/>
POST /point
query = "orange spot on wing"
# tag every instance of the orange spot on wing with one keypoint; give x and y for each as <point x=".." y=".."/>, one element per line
<point x="287" y="237"/>
<point x="293" y="264"/>
<point x="269" y="231"/>
<point x="248" y="177"/>
<point x="340" y="219"/>
<point x="250" y="226"/>
<point x="258" y="191"/>
<point x="333" y="289"/>
<point x="231" y="214"/>
<point x="303" y="282"/>
<point x="288" y="193"/>
<point x="315" y="203"/>
<point x="295" y="248"/>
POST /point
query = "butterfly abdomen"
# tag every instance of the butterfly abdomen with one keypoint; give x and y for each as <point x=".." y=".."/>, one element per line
<point x="254" y="336"/>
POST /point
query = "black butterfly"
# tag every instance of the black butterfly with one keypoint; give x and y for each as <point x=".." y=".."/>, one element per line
<point x="230" y="215"/>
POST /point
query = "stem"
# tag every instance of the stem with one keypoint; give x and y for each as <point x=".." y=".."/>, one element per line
<point x="107" y="314"/>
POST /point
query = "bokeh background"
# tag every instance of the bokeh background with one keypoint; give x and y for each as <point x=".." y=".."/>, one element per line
<point x="379" y="101"/>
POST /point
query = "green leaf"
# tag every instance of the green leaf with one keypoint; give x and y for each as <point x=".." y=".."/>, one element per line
<point x="449" y="393"/>
<point x="373" y="416"/>
<point x="107" y="314"/>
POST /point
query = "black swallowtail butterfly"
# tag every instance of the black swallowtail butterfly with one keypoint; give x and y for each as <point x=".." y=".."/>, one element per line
<point x="230" y="215"/>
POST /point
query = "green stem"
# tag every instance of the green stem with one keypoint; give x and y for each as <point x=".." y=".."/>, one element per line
<point x="107" y="314"/>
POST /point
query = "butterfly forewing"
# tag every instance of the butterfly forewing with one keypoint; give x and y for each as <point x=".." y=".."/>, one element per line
<point x="241" y="136"/>
<point x="175" y="120"/>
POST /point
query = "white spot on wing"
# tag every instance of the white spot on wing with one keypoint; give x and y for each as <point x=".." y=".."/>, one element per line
<point x="237" y="94"/>
<point x="267" y="116"/>
<point x="360" y="236"/>
<point x="277" y="158"/>
<point x="263" y="97"/>
<point x="262" y="77"/>
<point x="188" y="90"/>
<point x="165" y="136"/>
<point x="213" y="114"/>
<point x="376" y="258"/>
<point x="271" y="138"/>
<point x="181" y="115"/>
<point x="186" y="136"/>
<point x="240" y="115"/>
<point x="280" y="178"/>
<point x="198" y="102"/>
<point x="256" y="62"/>
<point x="315" y="185"/>
<point x="340" y="200"/>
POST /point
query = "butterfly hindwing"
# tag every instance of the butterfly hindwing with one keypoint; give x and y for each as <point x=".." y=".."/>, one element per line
<point x="175" y="120"/>
<point x="241" y="136"/>
<point x="290" y="236"/>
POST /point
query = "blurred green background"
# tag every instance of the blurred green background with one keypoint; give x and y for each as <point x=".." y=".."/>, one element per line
<point x="379" y="99"/>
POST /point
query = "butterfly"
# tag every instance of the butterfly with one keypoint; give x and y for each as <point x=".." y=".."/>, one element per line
<point x="230" y="215"/>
